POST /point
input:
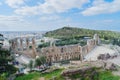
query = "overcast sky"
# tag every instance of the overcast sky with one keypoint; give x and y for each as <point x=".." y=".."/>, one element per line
<point x="44" y="15"/>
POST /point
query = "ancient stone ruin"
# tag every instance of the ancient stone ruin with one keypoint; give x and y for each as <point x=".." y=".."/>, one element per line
<point x="24" y="45"/>
<point x="55" y="53"/>
<point x="69" y="52"/>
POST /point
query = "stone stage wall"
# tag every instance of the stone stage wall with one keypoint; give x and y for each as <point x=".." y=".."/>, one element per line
<point x="67" y="52"/>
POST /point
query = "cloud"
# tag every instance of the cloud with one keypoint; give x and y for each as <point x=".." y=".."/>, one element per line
<point x="7" y="21"/>
<point x="15" y="23"/>
<point x="15" y="3"/>
<point x="102" y="7"/>
<point x="49" y="17"/>
<point x="27" y="10"/>
<point x="10" y="18"/>
<point x="0" y="3"/>
<point x="51" y="6"/>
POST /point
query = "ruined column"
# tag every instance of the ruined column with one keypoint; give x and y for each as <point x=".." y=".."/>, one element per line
<point x="96" y="38"/>
<point x="21" y="44"/>
<point x="81" y="52"/>
<point x="51" y="43"/>
<point x="27" y="43"/>
<point x="13" y="44"/>
<point x="88" y="44"/>
<point x="54" y="44"/>
<point x="16" y="44"/>
<point x="33" y="47"/>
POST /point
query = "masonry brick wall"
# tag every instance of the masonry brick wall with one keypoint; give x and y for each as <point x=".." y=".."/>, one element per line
<point x="67" y="52"/>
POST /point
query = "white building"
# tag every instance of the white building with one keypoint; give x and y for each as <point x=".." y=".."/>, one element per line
<point x="4" y="42"/>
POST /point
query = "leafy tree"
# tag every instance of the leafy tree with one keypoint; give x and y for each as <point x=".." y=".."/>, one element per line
<point x="38" y="62"/>
<point x="2" y="77"/>
<point x="30" y="47"/>
<point x="30" y="65"/>
<point x="4" y="59"/>
<point x="43" y="59"/>
<point x="44" y="45"/>
<point x="116" y="42"/>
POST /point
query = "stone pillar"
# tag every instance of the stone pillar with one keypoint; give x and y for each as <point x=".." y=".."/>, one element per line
<point x="81" y="54"/>
<point x="96" y="38"/>
<point x="13" y="44"/>
<point x="54" y="44"/>
<point x="51" y="43"/>
<point x="89" y="45"/>
<point x="16" y="44"/>
<point x="33" y="47"/>
<point x="27" y="43"/>
<point x="21" y="44"/>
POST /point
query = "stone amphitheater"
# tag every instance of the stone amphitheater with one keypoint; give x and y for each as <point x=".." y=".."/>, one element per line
<point x="54" y="53"/>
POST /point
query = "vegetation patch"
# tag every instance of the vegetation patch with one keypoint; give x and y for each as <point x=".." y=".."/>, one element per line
<point x="36" y="75"/>
<point x="107" y="75"/>
<point x="6" y="69"/>
<point x="92" y="74"/>
<point x="88" y="74"/>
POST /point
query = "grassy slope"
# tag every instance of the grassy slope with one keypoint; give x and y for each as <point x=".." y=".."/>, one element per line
<point x="37" y="75"/>
<point x="107" y="75"/>
<point x="104" y="75"/>
<point x="69" y="32"/>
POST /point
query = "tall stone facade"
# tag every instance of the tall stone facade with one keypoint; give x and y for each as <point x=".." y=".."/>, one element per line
<point x="67" y="52"/>
<point x="61" y="53"/>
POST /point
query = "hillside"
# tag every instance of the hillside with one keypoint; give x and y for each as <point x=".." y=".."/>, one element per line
<point x="70" y="32"/>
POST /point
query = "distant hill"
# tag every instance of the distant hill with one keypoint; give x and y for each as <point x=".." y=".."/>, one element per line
<point x="71" y="32"/>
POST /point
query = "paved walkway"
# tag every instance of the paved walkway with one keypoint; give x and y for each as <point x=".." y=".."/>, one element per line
<point x="23" y="59"/>
<point x="97" y="51"/>
<point x="115" y="60"/>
